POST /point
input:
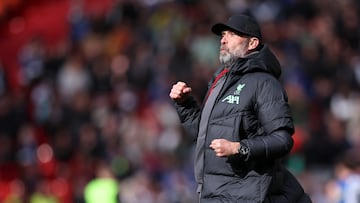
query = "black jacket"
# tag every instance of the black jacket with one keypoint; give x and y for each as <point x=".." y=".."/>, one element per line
<point x="252" y="109"/>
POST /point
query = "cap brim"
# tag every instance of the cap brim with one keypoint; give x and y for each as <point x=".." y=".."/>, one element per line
<point x="220" y="27"/>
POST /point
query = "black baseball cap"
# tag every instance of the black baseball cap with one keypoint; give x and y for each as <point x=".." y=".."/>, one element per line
<point x="241" y="25"/>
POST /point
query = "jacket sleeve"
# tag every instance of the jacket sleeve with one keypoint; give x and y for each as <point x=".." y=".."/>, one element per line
<point x="275" y="122"/>
<point x="189" y="113"/>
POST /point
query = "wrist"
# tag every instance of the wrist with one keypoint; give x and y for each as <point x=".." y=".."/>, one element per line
<point x="236" y="147"/>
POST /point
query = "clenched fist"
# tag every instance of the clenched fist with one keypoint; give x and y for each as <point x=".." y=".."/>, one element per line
<point x="224" y="148"/>
<point x="179" y="92"/>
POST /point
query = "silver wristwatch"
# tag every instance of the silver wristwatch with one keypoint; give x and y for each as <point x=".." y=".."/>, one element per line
<point x="243" y="150"/>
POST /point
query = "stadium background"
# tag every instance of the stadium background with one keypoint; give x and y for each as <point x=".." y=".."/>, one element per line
<point x="84" y="88"/>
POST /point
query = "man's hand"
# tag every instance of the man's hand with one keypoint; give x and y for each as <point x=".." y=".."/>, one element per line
<point x="179" y="92"/>
<point x="224" y="148"/>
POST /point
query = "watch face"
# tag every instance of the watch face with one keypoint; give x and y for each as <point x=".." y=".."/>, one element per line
<point x="243" y="150"/>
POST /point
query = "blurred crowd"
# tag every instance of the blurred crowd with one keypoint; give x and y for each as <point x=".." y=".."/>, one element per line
<point x="93" y="115"/>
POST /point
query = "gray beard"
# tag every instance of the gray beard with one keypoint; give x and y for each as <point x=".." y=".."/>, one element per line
<point x="227" y="60"/>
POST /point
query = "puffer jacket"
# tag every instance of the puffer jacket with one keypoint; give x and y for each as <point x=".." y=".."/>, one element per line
<point x="252" y="109"/>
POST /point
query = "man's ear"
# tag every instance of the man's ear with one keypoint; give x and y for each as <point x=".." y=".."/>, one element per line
<point x="253" y="43"/>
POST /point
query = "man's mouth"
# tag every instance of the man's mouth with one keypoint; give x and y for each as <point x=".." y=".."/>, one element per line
<point x="223" y="49"/>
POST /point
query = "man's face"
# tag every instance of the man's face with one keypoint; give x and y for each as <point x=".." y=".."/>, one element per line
<point x="232" y="47"/>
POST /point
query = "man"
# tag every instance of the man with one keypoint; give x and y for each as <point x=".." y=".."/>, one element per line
<point x="244" y="127"/>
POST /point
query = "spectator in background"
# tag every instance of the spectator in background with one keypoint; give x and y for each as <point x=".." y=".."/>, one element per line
<point x="104" y="188"/>
<point x="32" y="59"/>
<point x="345" y="186"/>
<point x="73" y="77"/>
<point x="348" y="174"/>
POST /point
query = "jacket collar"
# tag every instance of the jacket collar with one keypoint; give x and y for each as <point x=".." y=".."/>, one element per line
<point x="262" y="60"/>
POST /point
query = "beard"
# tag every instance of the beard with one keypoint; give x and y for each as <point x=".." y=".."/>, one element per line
<point x="228" y="57"/>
